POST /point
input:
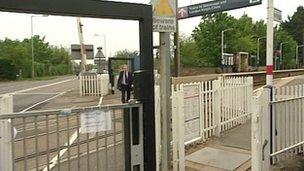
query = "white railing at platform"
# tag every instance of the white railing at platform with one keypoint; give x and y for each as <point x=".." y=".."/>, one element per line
<point x="94" y="84"/>
<point x="288" y="128"/>
<point x="286" y="92"/>
<point x="235" y="98"/>
<point x="215" y="106"/>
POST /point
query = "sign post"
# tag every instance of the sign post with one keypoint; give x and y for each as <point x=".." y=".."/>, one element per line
<point x="164" y="22"/>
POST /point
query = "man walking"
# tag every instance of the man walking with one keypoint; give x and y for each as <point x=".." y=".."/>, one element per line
<point x="124" y="83"/>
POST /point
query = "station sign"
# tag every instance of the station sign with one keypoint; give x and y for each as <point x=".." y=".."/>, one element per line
<point x="164" y="15"/>
<point x="277" y="15"/>
<point x="214" y="7"/>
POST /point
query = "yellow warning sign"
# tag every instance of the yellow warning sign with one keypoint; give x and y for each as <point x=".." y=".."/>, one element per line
<point x="164" y="15"/>
<point x="163" y="8"/>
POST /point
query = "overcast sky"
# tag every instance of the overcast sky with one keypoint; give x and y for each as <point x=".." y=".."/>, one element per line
<point x="120" y="34"/>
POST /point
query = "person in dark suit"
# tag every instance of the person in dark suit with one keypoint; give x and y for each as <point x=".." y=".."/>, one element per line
<point x="124" y="83"/>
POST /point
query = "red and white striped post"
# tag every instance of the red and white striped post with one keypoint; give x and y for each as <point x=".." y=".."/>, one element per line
<point x="269" y="60"/>
<point x="268" y="121"/>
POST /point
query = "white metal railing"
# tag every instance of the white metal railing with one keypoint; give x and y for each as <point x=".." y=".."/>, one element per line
<point x="235" y="100"/>
<point x="214" y="106"/>
<point x="286" y="92"/>
<point x="288" y="116"/>
<point x="93" y="84"/>
<point x="204" y="109"/>
<point x="70" y="139"/>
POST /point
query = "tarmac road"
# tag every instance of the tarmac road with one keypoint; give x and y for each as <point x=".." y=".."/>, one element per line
<point x="14" y="86"/>
<point x="29" y="93"/>
<point x="50" y="141"/>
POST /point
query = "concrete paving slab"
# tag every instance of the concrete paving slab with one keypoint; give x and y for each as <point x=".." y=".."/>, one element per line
<point x="239" y="137"/>
<point x="217" y="158"/>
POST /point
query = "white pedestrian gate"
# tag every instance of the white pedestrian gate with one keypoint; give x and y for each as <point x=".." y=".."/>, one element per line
<point x="204" y="109"/>
<point x="277" y="126"/>
<point x="214" y="106"/>
<point x="288" y="119"/>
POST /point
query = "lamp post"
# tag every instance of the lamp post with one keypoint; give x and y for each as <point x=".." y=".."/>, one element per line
<point x="297" y="54"/>
<point x="223" y="35"/>
<point x="104" y="41"/>
<point x="258" y="50"/>
<point x="32" y="43"/>
<point x="281" y="54"/>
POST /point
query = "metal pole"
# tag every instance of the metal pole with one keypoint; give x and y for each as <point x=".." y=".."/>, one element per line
<point x="176" y="53"/>
<point x="268" y="148"/>
<point x="269" y="61"/>
<point x="105" y="45"/>
<point x="222" y="45"/>
<point x="258" y="51"/>
<point x="297" y="54"/>
<point x="281" y="55"/>
<point x="303" y="48"/>
<point x="165" y="98"/>
<point x="32" y="45"/>
<point x="258" y="54"/>
<point x="222" y="51"/>
<point x="177" y="48"/>
<point x="281" y="47"/>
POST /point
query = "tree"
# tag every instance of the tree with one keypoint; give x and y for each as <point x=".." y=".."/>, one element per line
<point x="49" y="60"/>
<point x="207" y="36"/>
<point x="294" y="25"/>
<point x="243" y="39"/>
<point x="259" y="32"/>
<point x="288" y="52"/>
<point x="123" y="54"/>
<point x="188" y="52"/>
<point x="7" y="69"/>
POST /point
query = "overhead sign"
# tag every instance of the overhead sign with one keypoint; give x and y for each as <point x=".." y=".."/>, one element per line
<point x="277" y="15"/>
<point x="164" y="15"/>
<point x="213" y="7"/>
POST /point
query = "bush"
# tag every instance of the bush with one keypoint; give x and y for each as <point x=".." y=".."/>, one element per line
<point x="40" y="70"/>
<point x="7" y="69"/>
<point x="61" y="69"/>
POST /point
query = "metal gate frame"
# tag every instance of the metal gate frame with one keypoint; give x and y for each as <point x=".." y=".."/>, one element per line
<point x="111" y="10"/>
<point x="60" y="124"/>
